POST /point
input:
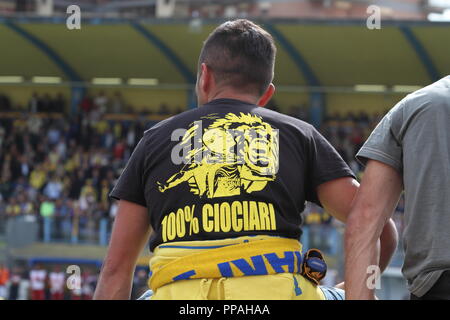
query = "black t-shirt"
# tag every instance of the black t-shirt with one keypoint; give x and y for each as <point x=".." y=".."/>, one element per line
<point x="228" y="169"/>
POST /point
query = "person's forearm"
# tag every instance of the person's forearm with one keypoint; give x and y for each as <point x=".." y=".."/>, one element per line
<point x="388" y="241"/>
<point x="113" y="286"/>
<point x="130" y="233"/>
<point x="360" y="256"/>
<point x="362" y="251"/>
<point x="366" y="259"/>
<point x="369" y="227"/>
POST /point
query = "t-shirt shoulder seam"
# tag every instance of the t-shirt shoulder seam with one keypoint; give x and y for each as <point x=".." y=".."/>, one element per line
<point x="378" y="152"/>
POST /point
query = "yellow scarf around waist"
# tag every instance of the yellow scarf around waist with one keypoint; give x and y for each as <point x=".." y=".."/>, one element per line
<point x="243" y="256"/>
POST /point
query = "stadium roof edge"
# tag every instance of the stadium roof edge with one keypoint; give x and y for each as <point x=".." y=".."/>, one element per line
<point x="166" y="51"/>
<point x="42" y="46"/>
<point x="330" y="22"/>
<point x="424" y="56"/>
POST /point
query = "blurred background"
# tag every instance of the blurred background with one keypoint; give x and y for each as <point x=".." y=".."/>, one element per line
<point x="74" y="103"/>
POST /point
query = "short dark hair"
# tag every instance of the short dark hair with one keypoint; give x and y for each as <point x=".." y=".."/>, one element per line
<point x="241" y="54"/>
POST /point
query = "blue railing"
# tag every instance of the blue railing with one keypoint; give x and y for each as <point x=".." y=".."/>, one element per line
<point x="69" y="230"/>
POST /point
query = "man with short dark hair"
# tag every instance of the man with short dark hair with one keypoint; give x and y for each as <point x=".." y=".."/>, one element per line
<point x="241" y="55"/>
<point x="409" y="150"/>
<point x="223" y="187"/>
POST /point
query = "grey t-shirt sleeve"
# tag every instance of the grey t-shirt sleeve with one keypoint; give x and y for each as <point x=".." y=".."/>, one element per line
<point x="384" y="144"/>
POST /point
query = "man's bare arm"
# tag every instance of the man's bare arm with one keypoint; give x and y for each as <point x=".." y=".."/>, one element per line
<point x="374" y="204"/>
<point x="337" y="197"/>
<point x="130" y="233"/>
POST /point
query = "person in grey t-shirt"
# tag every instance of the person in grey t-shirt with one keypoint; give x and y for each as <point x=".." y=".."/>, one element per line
<point x="410" y="150"/>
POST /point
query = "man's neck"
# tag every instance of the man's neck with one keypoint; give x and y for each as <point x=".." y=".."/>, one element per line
<point x="226" y="94"/>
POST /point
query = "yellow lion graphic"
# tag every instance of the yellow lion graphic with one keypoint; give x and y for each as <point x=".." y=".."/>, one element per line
<point x="237" y="153"/>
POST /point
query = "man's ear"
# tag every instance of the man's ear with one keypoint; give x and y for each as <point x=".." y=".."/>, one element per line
<point x="266" y="96"/>
<point x="206" y="79"/>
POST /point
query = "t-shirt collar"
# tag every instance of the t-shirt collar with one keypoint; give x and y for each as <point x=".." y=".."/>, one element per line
<point x="228" y="101"/>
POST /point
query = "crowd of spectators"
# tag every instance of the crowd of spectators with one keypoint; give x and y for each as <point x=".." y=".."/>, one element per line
<point x="63" y="167"/>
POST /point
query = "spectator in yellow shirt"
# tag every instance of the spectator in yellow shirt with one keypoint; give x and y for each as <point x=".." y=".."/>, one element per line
<point x="88" y="190"/>
<point x="38" y="177"/>
<point x="13" y="208"/>
<point x="26" y="206"/>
